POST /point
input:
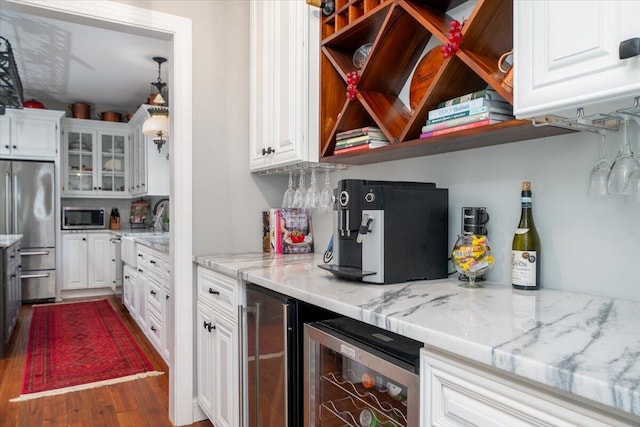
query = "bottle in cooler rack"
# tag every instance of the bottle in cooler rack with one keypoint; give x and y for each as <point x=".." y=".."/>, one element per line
<point x="367" y="419"/>
<point x="327" y="6"/>
<point x="525" y="253"/>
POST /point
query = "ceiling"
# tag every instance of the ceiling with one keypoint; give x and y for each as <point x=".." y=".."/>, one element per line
<point x="62" y="62"/>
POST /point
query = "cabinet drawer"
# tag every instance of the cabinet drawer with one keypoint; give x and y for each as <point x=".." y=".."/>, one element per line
<point x="154" y="262"/>
<point x="217" y="290"/>
<point x="154" y="298"/>
<point x="154" y="332"/>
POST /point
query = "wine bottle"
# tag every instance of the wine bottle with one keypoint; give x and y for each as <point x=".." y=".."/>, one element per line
<point x="525" y="250"/>
<point x="327" y="6"/>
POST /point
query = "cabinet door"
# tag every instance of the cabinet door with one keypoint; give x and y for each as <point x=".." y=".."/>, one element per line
<point x="134" y="169"/>
<point x="279" y="83"/>
<point x="142" y="290"/>
<point x="204" y="359"/>
<point x="74" y="261"/>
<point x="115" y="269"/>
<point x="457" y="393"/>
<point x="112" y="163"/>
<point x="167" y="322"/>
<point x="128" y="280"/>
<point x="79" y="149"/>
<point x="567" y="55"/>
<point x="5" y="136"/>
<point x="99" y="271"/>
<point x="227" y="383"/>
<point x="34" y="138"/>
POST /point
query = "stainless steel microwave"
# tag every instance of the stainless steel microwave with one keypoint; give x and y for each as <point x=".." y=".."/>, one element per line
<point x="83" y="218"/>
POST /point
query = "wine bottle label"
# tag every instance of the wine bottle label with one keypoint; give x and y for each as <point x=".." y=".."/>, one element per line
<point x="523" y="268"/>
<point x="521" y="230"/>
<point x="526" y="202"/>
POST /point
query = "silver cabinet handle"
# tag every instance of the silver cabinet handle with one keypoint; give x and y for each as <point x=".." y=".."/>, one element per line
<point x="16" y="191"/>
<point x="35" y="253"/>
<point x="35" y="276"/>
<point x="7" y="202"/>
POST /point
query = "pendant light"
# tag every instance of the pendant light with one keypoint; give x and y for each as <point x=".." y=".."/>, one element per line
<point x="157" y="124"/>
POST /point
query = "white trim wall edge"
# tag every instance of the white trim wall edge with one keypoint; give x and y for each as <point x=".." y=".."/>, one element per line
<point x="180" y="74"/>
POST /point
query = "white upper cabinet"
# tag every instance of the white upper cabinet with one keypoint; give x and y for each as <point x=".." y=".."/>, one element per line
<point x="149" y="168"/>
<point x="284" y="86"/>
<point x="567" y="56"/>
<point x="30" y="134"/>
<point x="95" y="158"/>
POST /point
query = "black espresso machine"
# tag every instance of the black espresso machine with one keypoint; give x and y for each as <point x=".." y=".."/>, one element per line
<point x="389" y="231"/>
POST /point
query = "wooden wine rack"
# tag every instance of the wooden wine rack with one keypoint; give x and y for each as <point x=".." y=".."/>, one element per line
<point x="400" y="31"/>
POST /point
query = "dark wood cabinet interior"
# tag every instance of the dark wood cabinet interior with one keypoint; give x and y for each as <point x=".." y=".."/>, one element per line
<point x="399" y="31"/>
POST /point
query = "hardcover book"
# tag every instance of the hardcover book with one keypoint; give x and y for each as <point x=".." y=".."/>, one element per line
<point x="469" y="105"/>
<point x="290" y="231"/>
<point x="445" y="131"/>
<point x="488" y="93"/>
<point x="466" y="119"/>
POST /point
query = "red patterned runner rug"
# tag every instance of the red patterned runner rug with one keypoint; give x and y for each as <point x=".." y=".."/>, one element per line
<point x="80" y="345"/>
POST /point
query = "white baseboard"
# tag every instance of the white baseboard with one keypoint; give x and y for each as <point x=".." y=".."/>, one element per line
<point x="85" y="293"/>
<point x="198" y="413"/>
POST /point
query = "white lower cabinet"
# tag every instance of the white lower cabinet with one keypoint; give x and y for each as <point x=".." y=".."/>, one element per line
<point x="129" y="290"/>
<point x="150" y="296"/>
<point x="86" y="260"/>
<point x="115" y="269"/>
<point x="458" y="393"/>
<point x="218" y="351"/>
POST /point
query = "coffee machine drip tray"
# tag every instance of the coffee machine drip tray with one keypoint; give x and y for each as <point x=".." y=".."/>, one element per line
<point x="351" y="273"/>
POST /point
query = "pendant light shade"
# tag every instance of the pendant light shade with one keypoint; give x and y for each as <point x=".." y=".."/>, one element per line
<point x="157" y="125"/>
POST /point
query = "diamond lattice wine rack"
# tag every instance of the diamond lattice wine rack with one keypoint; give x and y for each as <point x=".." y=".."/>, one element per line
<point x="402" y="32"/>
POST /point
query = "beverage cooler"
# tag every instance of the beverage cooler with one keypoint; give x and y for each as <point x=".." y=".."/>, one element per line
<point x="360" y="375"/>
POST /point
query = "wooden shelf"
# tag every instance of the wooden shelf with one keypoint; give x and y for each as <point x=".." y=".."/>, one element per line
<point x="400" y="30"/>
<point x="500" y="133"/>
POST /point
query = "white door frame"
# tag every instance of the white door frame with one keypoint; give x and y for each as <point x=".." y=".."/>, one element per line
<point x="178" y="29"/>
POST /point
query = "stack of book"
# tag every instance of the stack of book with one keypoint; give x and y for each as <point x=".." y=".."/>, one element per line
<point x="360" y="139"/>
<point x="476" y="109"/>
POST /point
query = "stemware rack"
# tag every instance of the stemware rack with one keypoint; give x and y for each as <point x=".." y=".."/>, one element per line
<point x="596" y="123"/>
<point x="386" y="410"/>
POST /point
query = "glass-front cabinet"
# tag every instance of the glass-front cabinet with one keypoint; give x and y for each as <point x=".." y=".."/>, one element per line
<point x="94" y="158"/>
<point x="112" y="162"/>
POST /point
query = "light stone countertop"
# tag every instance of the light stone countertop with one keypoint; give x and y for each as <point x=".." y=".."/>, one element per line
<point x="158" y="242"/>
<point x="7" y="240"/>
<point x="586" y="345"/>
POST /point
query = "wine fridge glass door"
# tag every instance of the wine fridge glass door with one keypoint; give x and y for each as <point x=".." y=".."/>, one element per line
<point x="349" y="385"/>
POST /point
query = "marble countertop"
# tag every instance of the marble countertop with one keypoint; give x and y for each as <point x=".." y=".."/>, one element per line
<point x="159" y="242"/>
<point x="7" y="240"/>
<point x="586" y="345"/>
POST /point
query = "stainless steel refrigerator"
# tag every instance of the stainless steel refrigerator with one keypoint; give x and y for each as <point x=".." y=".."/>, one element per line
<point x="27" y="194"/>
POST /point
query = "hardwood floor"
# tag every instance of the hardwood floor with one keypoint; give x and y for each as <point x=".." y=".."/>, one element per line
<point x="142" y="402"/>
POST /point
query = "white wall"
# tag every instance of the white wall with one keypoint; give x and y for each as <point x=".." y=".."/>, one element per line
<point x="588" y="246"/>
<point x="227" y="199"/>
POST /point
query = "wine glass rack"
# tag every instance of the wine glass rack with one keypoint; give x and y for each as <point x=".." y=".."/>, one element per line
<point x="399" y="31"/>
<point x="386" y="410"/>
<point x="596" y="123"/>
